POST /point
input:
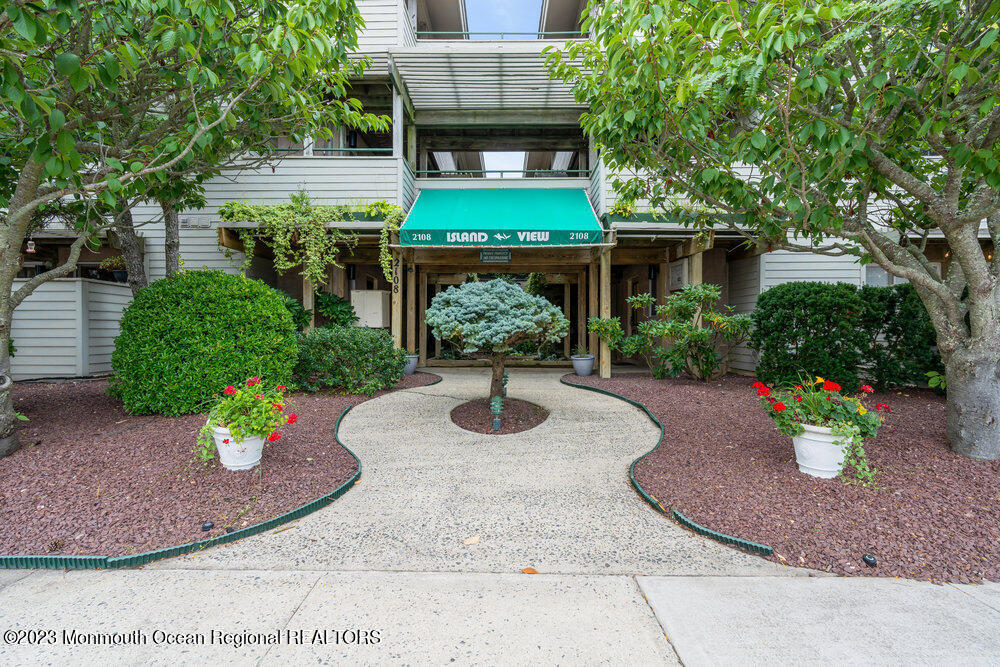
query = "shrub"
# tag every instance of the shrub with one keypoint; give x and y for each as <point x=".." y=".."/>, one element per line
<point x="336" y="310"/>
<point x="355" y="360"/>
<point x="186" y="337"/>
<point x="300" y="316"/>
<point x="809" y="328"/>
<point x="882" y="334"/>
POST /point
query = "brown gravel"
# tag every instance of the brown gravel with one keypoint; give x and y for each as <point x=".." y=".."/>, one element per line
<point x="935" y="514"/>
<point x="517" y="416"/>
<point x="91" y="479"/>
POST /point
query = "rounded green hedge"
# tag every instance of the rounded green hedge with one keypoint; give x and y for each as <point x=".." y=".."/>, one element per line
<point x="184" y="338"/>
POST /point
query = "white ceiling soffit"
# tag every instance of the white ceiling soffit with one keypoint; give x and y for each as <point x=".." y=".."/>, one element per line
<point x="442" y="16"/>
<point x="560" y="15"/>
<point x="481" y="75"/>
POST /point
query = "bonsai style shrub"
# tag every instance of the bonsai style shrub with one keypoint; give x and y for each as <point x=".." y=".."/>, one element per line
<point x="354" y="360"/>
<point x="687" y="335"/>
<point x="185" y="336"/>
<point x="493" y="318"/>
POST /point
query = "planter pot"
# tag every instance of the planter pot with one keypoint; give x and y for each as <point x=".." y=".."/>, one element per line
<point x="120" y="275"/>
<point x="583" y="364"/>
<point x="816" y="453"/>
<point x="411" y="364"/>
<point x="235" y="455"/>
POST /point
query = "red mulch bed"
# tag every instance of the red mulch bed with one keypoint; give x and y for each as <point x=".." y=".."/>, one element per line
<point x="517" y="416"/>
<point x="935" y="514"/>
<point x="91" y="479"/>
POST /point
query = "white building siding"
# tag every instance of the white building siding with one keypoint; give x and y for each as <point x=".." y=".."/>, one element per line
<point x="103" y="307"/>
<point x="407" y="184"/>
<point x="785" y="266"/>
<point x="744" y="287"/>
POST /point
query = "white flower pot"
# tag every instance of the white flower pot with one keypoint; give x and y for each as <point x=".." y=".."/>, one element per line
<point x="816" y="453"/>
<point x="411" y="364"/>
<point x="583" y="364"/>
<point x="237" y="455"/>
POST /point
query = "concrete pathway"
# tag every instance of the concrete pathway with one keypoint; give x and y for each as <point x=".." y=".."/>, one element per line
<point x="382" y="576"/>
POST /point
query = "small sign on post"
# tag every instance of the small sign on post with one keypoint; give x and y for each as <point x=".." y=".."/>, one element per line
<point x="494" y="255"/>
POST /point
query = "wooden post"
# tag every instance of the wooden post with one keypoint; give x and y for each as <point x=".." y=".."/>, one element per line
<point x="566" y="313"/>
<point x="605" y="309"/>
<point x="308" y="302"/>
<point x="696" y="264"/>
<point x="592" y="304"/>
<point x="581" y="308"/>
<point x="411" y="307"/>
<point x="411" y="145"/>
<point x="662" y="283"/>
<point x="437" y="341"/>
<point x="422" y="317"/>
<point x="338" y="282"/>
<point x="396" y="319"/>
<point x="397" y="124"/>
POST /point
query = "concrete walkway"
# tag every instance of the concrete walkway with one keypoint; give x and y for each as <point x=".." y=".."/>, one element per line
<point x="426" y="553"/>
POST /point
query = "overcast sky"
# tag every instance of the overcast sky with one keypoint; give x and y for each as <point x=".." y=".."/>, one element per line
<point x="496" y="16"/>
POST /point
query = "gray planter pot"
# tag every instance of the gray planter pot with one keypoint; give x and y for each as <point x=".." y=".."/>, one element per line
<point x="411" y="364"/>
<point x="583" y="364"/>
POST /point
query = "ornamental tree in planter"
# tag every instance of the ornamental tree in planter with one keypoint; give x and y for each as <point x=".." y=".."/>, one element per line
<point x="492" y="318"/>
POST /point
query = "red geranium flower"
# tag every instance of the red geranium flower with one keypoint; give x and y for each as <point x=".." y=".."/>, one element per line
<point x="798" y="386"/>
<point x="230" y="390"/>
<point x="226" y="441"/>
<point x="757" y="385"/>
<point x="882" y="407"/>
<point x="280" y="387"/>
<point x="778" y="407"/>
<point x="865" y="388"/>
<point x="279" y="407"/>
<point x="292" y="419"/>
<point x="831" y="386"/>
<point x="258" y="396"/>
<point x="253" y="381"/>
<point x="763" y="391"/>
<point x="798" y="399"/>
<point x="274" y="437"/>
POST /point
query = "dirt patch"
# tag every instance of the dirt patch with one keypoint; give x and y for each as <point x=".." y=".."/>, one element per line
<point x="517" y="416"/>
<point x="91" y="479"/>
<point x="935" y="514"/>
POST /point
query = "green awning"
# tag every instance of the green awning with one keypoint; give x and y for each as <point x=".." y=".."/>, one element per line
<point x="501" y="217"/>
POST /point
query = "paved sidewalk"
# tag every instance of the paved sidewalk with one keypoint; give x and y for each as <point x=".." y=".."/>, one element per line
<point x="389" y="557"/>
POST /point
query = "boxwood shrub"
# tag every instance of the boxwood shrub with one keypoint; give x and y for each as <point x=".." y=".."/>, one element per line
<point x="354" y="360"/>
<point x="184" y="338"/>
<point x="879" y="335"/>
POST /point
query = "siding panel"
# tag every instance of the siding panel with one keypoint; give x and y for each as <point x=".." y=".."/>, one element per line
<point x="744" y="286"/>
<point x="105" y="304"/>
<point x="46" y="332"/>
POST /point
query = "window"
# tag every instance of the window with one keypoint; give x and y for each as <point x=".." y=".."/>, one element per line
<point x="876" y="276"/>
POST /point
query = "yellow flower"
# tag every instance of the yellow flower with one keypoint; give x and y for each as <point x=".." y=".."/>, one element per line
<point x="819" y="380"/>
<point x="861" y="410"/>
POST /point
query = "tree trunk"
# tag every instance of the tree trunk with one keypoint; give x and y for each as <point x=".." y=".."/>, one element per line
<point x="131" y="250"/>
<point x="496" y="380"/>
<point x="972" y="424"/>
<point x="8" y="435"/>
<point x="172" y="238"/>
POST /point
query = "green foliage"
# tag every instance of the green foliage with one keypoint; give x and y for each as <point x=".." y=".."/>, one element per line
<point x="936" y="380"/>
<point x="493" y="317"/>
<point x="809" y="328"/>
<point x="535" y="284"/>
<point x="248" y="410"/>
<point x="184" y="337"/>
<point x="337" y="310"/>
<point x="698" y="336"/>
<point x="352" y="360"/>
<point x="300" y="316"/>
<point x="880" y="333"/>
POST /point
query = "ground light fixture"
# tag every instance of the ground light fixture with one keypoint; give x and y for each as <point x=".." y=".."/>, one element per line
<point x="869" y="560"/>
<point x="496" y="406"/>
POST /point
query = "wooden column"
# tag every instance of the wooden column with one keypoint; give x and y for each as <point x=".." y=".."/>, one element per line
<point x="581" y="308"/>
<point x="411" y="145"/>
<point x="566" y="314"/>
<point x="592" y="304"/>
<point x="411" y="307"/>
<point x="308" y="302"/>
<point x="605" y="280"/>
<point x="437" y="341"/>
<point x="396" y="319"/>
<point x="422" y="318"/>
<point x="695" y="265"/>
<point x="397" y="124"/>
<point x="338" y="282"/>
<point x="662" y="283"/>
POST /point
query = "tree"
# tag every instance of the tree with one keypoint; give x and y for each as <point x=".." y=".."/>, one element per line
<point x="102" y="100"/>
<point x="492" y="318"/>
<point x="842" y="127"/>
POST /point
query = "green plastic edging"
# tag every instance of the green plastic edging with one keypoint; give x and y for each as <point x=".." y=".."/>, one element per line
<point x="762" y="549"/>
<point x="134" y="560"/>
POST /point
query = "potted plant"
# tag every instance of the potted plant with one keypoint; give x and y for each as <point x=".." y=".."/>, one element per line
<point x="411" y="363"/>
<point x="827" y="428"/>
<point x="116" y="265"/>
<point x="583" y="361"/>
<point x="240" y="422"/>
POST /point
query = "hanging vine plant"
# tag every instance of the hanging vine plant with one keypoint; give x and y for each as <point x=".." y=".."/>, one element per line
<point x="298" y="234"/>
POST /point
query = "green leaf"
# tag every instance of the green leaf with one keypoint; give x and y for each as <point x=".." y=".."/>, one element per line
<point x="64" y="140"/>
<point x="25" y="25"/>
<point x="758" y="140"/>
<point x="67" y="64"/>
<point x="56" y="120"/>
